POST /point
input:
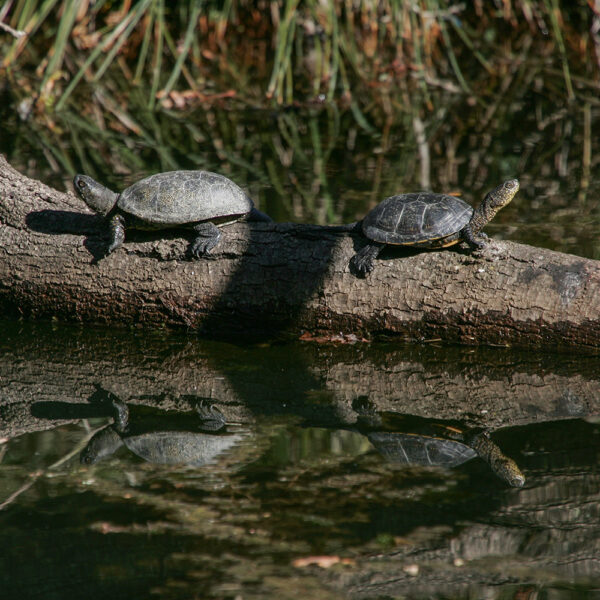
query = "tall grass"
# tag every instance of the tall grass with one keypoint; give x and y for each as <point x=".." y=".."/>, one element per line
<point x="285" y="51"/>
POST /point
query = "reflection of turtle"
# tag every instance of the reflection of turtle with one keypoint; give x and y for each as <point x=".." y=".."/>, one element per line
<point x="416" y="441"/>
<point x="196" y="199"/>
<point x="162" y="445"/>
<point x="427" y="220"/>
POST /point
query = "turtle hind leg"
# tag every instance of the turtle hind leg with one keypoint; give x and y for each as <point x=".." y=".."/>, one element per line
<point x="363" y="262"/>
<point x="117" y="232"/>
<point x="207" y="237"/>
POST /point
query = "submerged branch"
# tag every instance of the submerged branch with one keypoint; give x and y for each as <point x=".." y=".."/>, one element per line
<point x="285" y="279"/>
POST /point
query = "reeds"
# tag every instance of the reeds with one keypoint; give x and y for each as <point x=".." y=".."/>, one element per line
<point x="286" y="51"/>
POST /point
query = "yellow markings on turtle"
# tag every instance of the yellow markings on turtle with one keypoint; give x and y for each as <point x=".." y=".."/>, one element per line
<point x="450" y="428"/>
<point x="451" y="243"/>
<point x="426" y="242"/>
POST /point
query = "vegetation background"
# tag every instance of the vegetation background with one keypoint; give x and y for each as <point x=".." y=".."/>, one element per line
<point x="319" y="108"/>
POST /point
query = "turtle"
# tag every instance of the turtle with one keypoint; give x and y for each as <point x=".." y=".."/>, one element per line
<point x="427" y="220"/>
<point x="199" y="200"/>
<point x="440" y="450"/>
<point x="159" y="441"/>
<point x="421" y="441"/>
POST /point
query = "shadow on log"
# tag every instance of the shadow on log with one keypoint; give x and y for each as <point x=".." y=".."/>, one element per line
<point x="284" y="279"/>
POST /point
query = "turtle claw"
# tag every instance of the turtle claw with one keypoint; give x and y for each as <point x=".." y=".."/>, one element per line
<point x="207" y="237"/>
<point x="362" y="266"/>
<point x="201" y="247"/>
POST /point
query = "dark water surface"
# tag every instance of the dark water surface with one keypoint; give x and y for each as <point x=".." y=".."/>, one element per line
<point x="352" y="455"/>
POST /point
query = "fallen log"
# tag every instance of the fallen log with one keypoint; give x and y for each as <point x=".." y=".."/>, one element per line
<point x="285" y="279"/>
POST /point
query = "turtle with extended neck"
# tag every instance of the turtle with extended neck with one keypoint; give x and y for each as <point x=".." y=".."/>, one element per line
<point x="199" y="200"/>
<point x="429" y="442"/>
<point x="427" y="220"/>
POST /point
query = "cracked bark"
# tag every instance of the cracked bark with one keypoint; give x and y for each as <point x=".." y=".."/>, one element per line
<point x="285" y="279"/>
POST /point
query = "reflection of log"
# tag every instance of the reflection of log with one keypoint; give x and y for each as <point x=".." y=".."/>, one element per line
<point x="284" y="278"/>
<point x="487" y="387"/>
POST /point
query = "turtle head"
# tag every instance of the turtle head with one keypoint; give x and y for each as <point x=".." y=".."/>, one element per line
<point x="499" y="197"/>
<point x="96" y="196"/>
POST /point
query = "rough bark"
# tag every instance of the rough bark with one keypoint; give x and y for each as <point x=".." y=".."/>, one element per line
<point x="487" y="387"/>
<point x="285" y="279"/>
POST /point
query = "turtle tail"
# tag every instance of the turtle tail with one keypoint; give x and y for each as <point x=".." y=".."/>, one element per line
<point x="257" y="215"/>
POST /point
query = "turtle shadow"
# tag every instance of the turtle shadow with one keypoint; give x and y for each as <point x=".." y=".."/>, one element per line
<point x="57" y="411"/>
<point x="59" y="222"/>
<point x="98" y="405"/>
<point x="94" y="228"/>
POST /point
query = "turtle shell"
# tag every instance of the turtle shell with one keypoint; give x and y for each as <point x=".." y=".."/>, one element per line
<point x="179" y="197"/>
<point x="420" y="218"/>
<point x="180" y="447"/>
<point x="412" y="449"/>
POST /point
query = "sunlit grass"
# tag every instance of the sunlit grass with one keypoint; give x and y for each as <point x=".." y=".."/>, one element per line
<point x="305" y="50"/>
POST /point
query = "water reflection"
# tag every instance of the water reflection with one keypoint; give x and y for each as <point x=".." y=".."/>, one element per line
<point x="417" y="441"/>
<point x="159" y="441"/>
<point x="310" y="477"/>
<point x="195" y="438"/>
<point x="300" y="490"/>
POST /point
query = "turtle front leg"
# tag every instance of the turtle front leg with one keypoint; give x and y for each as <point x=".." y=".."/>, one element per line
<point x="207" y="237"/>
<point x="117" y="232"/>
<point x="363" y="261"/>
<point x="120" y="414"/>
<point x="475" y="242"/>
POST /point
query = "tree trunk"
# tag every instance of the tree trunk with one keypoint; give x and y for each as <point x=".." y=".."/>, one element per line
<point x="285" y="279"/>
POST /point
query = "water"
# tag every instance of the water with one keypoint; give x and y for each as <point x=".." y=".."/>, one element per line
<point x="320" y="461"/>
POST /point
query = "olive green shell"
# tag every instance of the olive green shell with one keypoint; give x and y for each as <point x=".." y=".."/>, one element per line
<point x="179" y="197"/>
<point x="421" y="218"/>
<point x="180" y="447"/>
<point x="413" y="449"/>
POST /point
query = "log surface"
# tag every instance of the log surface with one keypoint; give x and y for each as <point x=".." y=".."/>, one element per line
<point x="285" y="279"/>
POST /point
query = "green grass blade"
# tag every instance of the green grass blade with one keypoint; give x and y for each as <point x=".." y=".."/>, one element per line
<point x="189" y="36"/>
<point x="136" y="14"/>
<point x="65" y="27"/>
<point x="553" y="10"/>
<point x="145" y="45"/>
<point x="158" y="52"/>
